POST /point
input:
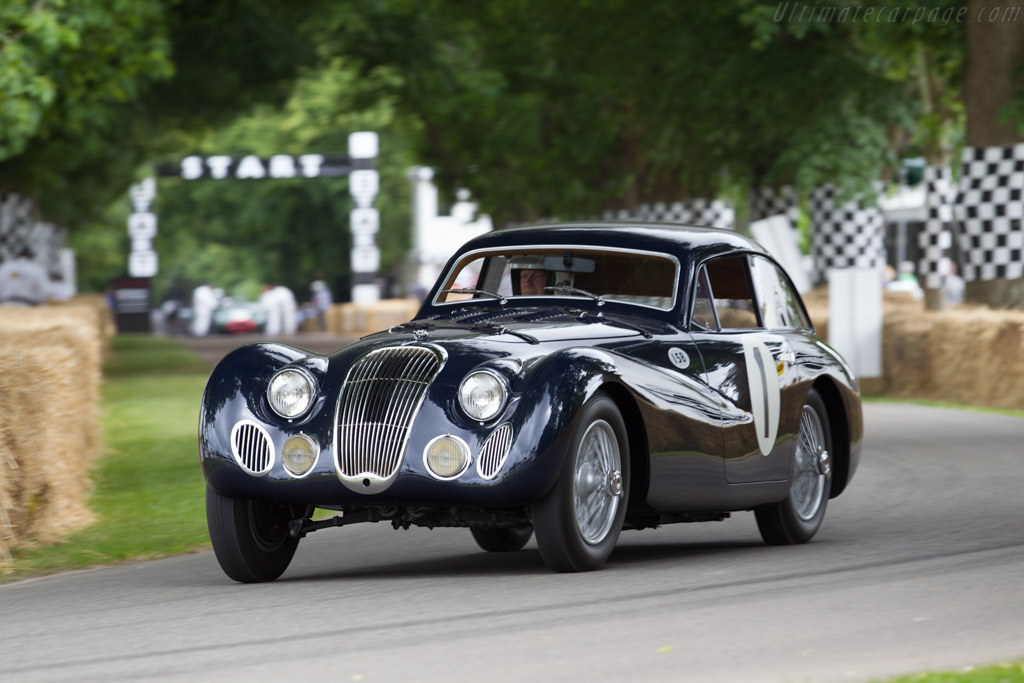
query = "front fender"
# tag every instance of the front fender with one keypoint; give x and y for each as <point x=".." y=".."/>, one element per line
<point x="554" y="391"/>
<point x="236" y="389"/>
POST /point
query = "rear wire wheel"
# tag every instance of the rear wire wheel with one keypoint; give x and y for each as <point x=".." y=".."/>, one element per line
<point x="798" y="518"/>
<point x="250" y="537"/>
<point x="579" y="520"/>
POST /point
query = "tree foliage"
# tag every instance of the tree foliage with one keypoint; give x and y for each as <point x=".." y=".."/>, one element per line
<point x="568" y="107"/>
<point x="90" y="89"/>
<point x="241" y="233"/>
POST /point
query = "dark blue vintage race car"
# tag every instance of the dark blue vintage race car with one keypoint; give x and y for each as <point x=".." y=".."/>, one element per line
<point x="571" y="380"/>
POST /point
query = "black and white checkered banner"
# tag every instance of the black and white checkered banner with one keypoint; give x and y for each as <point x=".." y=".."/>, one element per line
<point x="714" y="213"/>
<point x="848" y="235"/>
<point x="20" y="229"/>
<point x="766" y="202"/>
<point x="989" y="210"/>
<point x="936" y="237"/>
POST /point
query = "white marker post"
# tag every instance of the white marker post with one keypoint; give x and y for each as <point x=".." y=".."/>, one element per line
<point x="364" y="221"/>
<point x="142" y="261"/>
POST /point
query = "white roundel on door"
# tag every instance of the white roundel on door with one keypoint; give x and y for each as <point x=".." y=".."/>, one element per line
<point x="763" y="382"/>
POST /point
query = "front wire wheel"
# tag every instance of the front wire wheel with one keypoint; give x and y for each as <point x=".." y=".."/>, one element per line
<point x="798" y="518"/>
<point x="579" y="520"/>
<point x="250" y="537"/>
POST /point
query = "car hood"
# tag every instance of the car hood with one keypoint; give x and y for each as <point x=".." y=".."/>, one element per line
<point x="504" y="330"/>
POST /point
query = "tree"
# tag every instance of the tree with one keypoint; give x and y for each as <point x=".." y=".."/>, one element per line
<point x="241" y="233"/>
<point x="91" y="88"/>
<point x="993" y="86"/>
<point x="567" y="108"/>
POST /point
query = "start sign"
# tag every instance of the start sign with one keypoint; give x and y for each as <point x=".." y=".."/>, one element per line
<point x="252" y="167"/>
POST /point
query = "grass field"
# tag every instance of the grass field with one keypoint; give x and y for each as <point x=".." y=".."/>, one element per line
<point x="149" y="493"/>
<point x="1007" y="672"/>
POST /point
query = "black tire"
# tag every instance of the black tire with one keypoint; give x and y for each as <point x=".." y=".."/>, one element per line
<point x="250" y="537"/>
<point x="559" y="537"/>
<point x="501" y="539"/>
<point x="787" y="523"/>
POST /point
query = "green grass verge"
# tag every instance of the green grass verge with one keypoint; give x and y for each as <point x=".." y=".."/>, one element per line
<point x="1007" y="672"/>
<point x="882" y="398"/>
<point x="149" y="493"/>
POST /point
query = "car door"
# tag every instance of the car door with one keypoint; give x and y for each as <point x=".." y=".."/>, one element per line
<point x="750" y="367"/>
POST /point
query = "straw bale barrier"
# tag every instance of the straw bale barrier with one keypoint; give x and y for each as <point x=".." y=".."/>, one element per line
<point x="50" y="361"/>
<point x="966" y="354"/>
<point x="351" y="318"/>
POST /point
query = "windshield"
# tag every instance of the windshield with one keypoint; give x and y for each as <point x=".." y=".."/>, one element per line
<point x="639" y="278"/>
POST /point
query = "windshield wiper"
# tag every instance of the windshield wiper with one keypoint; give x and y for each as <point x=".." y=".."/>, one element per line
<point x="490" y="328"/>
<point x="468" y="290"/>
<point x="576" y="290"/>
<point x="620" y="323"/>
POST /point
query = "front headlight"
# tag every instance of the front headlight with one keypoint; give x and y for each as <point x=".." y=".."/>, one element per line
<point x="291" y="392"/>
<point x="483" y="394"/>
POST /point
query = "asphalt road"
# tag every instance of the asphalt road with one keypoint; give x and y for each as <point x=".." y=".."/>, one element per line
<point x="919" y="565"/>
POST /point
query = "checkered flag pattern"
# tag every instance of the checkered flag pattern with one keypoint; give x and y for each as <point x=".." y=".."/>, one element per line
<point x="715" y="213"/>
<point x="19" y="229"/>
<point x="936" y="237"/>
<point x="16" y="225"/>
<point x="989" y="209"/>
<point x="847" y="235"/>
<point x="766" y="202"/>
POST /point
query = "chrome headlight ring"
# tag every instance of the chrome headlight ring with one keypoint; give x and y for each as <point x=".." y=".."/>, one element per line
<point x="483" y="380"/>
<point x="312" y="391"/>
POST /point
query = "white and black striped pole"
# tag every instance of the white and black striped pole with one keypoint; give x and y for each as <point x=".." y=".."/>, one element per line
<point x="364" y="221"/>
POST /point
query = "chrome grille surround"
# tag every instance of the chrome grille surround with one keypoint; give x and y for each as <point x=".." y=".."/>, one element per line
<point x="252" y="447"/>
<point x="377" y="405"/>
<point x="494" y="452"/>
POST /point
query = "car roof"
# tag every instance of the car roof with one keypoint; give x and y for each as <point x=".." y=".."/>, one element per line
<point x="680" y="240"/>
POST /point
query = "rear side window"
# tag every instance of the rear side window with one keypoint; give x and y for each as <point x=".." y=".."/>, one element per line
<point x="779" y="303"/>
<point x="730" y="288"/>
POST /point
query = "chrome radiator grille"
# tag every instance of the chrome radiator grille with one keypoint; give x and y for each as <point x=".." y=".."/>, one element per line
<point x="494" y="451"/>
<point x="252" y="447"/>
<point x="378" y="402"/>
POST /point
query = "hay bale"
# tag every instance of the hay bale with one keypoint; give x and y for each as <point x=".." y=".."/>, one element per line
<point x="352" y="318"/>
<point x="972" y="355"/>
<point x="50" y="360"/>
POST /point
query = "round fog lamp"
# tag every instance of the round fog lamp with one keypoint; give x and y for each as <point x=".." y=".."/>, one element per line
<point x="446" y="457"/>
<point x="298" y="455"/>
<point x="482" y="395"/>
<point x="291" y="392"/>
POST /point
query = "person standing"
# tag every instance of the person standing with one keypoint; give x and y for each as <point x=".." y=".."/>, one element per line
<point x="23" y="282"/>
<point x="282" y="310"/>
<point x="321" y="302"/>
<point x="203" y="302"/>
<point x="268" y="302"/>
<point x="289" y="309"/>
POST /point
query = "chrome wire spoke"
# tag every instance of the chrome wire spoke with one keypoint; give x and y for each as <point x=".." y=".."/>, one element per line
<point x="597" y="458"/>
<point x="807" y="486"/>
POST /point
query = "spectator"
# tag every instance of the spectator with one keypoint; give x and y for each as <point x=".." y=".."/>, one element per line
<point x="279" y="303"/>
<point x="203" y="302"/>
<point x="289" y="309"/>
<point x="953" y="287"/>
<point x="321" y="302"/>
<point x="23" y="282"/>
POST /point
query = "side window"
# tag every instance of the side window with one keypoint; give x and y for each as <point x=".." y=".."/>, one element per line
<point x="730" y="290"/>
<point x="703" y="316"/>
<point x="779" y="303"/>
